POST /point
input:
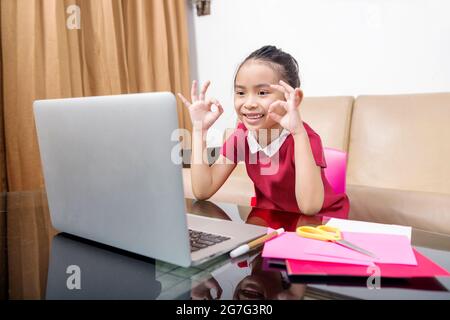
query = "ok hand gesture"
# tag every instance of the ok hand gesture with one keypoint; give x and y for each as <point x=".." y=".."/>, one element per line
<point x="291" y="119"/>
<point x="200" y="110"/>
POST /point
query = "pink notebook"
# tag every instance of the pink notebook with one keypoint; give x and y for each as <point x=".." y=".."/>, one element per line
<point x="389" y="248"/>
<point x="425" y="268"/>
<point x="290" y="246"/>
<point x="392" y="249"/>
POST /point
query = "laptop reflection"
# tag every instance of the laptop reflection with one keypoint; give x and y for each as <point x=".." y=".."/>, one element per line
<point x="81" y="269"/>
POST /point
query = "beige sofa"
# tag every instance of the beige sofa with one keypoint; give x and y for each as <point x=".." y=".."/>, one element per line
<point x="398" y="147"/>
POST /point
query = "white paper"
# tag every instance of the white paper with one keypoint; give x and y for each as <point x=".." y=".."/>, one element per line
<point x="369" y="227"/>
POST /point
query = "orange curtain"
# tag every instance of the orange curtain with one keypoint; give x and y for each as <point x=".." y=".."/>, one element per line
<point x="122" y="46"/>
<point x="3" y="182"/>
<point x="29" y="233"/>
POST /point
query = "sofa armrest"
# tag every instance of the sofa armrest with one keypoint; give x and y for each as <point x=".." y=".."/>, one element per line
<point x="421" y="210"/>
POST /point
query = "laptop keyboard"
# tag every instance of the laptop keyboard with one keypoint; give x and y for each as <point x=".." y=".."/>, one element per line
<point x="200" y="240"/>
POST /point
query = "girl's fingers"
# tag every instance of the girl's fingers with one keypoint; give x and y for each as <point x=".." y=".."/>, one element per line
<point x="184" y="100"/>
<point x="277" y="104"/>
<point x="219" y="107"/>
<point x="209" y="103"/>
<point x="291" y="101"/>
<point x="215" y="114"/>
<point x="286" y="86"/>
<point x="194" y="97"/>
<point x="281" y="89"/>
<point x="217" y="103"/>
<point x="204" y="88"/>
<point x="275" y="116"/>
<point x="278" y="87"/>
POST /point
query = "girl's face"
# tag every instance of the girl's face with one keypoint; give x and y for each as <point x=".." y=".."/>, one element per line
<point x="253" y="95"/>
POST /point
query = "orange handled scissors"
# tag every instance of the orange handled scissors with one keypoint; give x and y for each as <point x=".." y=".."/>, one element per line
<point x="328" y="233"/>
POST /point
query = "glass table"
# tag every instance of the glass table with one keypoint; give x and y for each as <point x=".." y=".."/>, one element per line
<point x="38" y="262"/>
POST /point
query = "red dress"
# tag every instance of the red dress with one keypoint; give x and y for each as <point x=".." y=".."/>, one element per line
<point x="274" y="177"/>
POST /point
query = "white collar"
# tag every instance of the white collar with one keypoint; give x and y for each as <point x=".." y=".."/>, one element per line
<point x="269" y="150"/>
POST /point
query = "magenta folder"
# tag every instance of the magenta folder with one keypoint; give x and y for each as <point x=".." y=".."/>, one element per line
<point x="424" y="268"/>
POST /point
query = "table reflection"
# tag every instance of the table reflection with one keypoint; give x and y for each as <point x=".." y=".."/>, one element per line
<point x="37" y="261"/>
<point x="247" y="279"/>
<point x="80" y="269"/>
<point x="109" y="273"/>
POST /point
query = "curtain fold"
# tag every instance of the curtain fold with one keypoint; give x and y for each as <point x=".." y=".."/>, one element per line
<point x="123" y="46"/>
<point x="30" y="234"/>
<point x="3" y="180"/>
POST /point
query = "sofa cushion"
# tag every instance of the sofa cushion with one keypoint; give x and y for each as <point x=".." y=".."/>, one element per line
<point x="330" y="118"/>
<point x="401" y="142"/>
<point x="422" y="210"/>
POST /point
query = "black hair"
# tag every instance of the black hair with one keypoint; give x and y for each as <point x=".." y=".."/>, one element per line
<point x="278" y="60"/>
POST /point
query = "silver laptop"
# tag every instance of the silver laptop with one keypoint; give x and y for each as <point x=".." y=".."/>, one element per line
<point x="112" y="175"/>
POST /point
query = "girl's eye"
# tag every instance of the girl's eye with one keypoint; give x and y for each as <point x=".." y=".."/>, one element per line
<point x="239" y="93"/>
<point x="263" y="93"/>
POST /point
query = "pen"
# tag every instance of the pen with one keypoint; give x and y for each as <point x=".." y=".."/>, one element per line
<point x="253" y="244"/>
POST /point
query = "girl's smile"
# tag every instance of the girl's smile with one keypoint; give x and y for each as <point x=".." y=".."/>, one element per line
<point x="253" y="117"/>
<point x="253" y="95"/>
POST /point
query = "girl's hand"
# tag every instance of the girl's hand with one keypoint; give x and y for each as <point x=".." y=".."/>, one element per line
<point x="291" y="119"/>
<point x="200" y="109"/>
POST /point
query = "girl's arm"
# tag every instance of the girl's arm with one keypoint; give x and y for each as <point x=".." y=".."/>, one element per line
<point x="206" y="180"/>
<point x="309" y="190"/>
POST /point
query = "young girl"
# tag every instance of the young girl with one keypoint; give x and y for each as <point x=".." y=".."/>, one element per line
<point x="283" y="155"/>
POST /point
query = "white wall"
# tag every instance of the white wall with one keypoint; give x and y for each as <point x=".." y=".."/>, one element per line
<point x="344" y="47"/>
